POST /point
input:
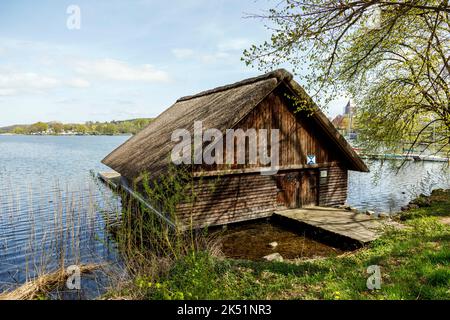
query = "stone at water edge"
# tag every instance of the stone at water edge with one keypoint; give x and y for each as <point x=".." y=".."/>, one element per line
<point x="370" y="213"/>
<point x="409" y="206"/>
<point x="276" y="257"/>
<point x="273" y="245"/>
<point x="437" y="191"/>
<point x="344" y="207"/>
<point x="421" y="201"/>
<point x="354" y="210"/>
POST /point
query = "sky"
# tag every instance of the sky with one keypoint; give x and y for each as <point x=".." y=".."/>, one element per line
<point x="127" y="59"/>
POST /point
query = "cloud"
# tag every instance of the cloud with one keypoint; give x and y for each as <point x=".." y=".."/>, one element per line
<point x="124" y="102"/>
<point x="202" y="57"/>
<point x="223" y="50"/>
<point x="18" y="82"/>
<point x="183" y="53"/>
<point x="7" y="92"/>
<point x="112" y="69"/>
<point x="121" y="113"/>
<point x="79" y="83"/>
<point x="213" y="57"/>
<point x="14" y="82"/>
<point x="237" y="44"/>
<point x="68" y="101"/>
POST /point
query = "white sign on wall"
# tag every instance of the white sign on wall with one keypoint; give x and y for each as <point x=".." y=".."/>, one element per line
<point x="310" y="159"/>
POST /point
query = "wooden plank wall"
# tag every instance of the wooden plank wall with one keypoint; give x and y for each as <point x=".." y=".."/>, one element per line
<point x="231" y="198"/>
<point x="235" y="198"/>
<point x="333" y="188"/>
<point x="300" y="135"/>
<point x="241" y="197"/>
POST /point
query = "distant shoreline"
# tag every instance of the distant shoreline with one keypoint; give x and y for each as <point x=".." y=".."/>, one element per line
<point x="112" y="128"/>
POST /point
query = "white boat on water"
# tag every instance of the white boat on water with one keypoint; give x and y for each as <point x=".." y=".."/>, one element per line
<point x="408" y="157"/>
<point x="434" y="158"/>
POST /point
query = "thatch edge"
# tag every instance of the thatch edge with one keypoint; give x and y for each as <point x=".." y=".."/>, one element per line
<point x="280" y="75"/>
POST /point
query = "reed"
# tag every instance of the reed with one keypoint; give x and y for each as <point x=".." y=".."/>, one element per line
<point x="42" y="285"/>
<point x="46" y="228"/>
<point x="75" y="224"/>
<point x="149" y="247"/>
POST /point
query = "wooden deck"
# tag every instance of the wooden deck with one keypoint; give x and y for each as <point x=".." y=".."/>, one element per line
<point x="111" y="178"/>
<point x="356" y="226"/>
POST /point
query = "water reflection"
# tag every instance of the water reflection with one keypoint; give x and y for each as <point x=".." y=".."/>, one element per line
<point x="251" y="241"/>
<point x="387" y="188"/>
<point x="52" y="213"/>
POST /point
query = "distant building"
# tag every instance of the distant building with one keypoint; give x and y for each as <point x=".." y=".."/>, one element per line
<point x="350" y="108"/>
<point x="339" y="122"/>
<point x="345" y="123"/>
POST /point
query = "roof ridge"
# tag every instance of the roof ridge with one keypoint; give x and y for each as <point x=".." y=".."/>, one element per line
<point x="279" y="74"/>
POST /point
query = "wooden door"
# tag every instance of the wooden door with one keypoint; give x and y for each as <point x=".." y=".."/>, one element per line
<point x="289" y="185"/>
<point x="309" y="186"/>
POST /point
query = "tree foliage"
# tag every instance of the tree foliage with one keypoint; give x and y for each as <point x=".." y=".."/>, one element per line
<point x="393" y="57"/>
<point x="91" y="128"/>
<point x="57" y="127"/>
<point x="39" y="127"/>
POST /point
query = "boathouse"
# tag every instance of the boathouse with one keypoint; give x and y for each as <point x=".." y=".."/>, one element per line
<point x="312" y="167"/>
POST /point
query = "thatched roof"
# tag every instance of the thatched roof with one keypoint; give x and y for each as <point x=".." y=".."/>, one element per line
<point x="221" y="108"/>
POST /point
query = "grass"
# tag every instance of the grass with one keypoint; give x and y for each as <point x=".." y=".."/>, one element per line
<point x="415" y="264"/>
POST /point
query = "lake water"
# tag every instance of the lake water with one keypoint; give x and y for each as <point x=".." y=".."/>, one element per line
<point x="387" y="189"/>
<point x="46" y="185"/>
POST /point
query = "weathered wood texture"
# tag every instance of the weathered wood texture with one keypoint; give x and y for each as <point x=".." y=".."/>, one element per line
<point x="233" y="198"/>
<point x="149" y="151"/>
<point x="345" y="223"/>
<point x="297" y="188"/>
<point x="245" y="196"/>
<point x="299" y="133"/>
<point x="229" y="199"/>
<point x="333" y="187"/>
<point x="309" y="188"/>
<point x="288" y="185"/>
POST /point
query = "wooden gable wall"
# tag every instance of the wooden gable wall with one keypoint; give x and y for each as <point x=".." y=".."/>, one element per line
<point x="250" y="195"/>
<point x="300" y="135"/>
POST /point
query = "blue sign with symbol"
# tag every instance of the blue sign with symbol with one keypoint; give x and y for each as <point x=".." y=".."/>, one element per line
<point x="310" y="159"/>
